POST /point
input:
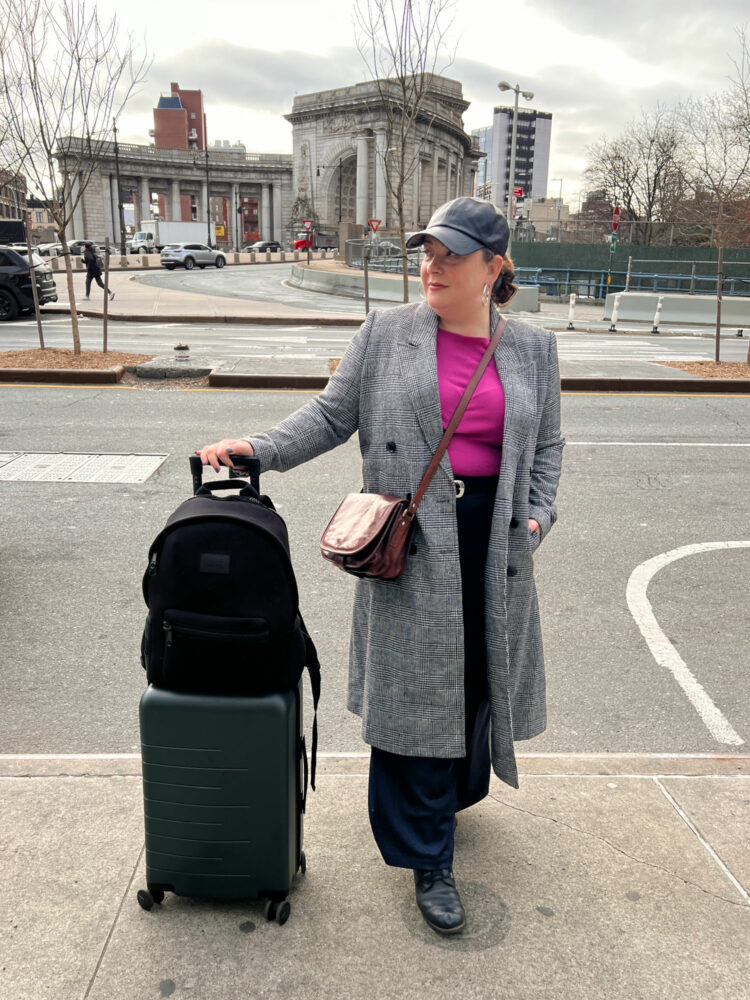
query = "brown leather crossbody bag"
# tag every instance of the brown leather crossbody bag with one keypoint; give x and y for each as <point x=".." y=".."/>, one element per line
<point x="370" y="534"/>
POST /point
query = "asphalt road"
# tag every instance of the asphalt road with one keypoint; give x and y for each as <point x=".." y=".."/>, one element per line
<point x="266" y="283"/>
<point x="642" y="476"/>
<point x="581" y="352"/>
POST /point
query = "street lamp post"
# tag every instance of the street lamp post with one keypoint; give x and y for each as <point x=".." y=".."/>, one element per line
<point x="120" y="209"/>
<point x="528" y="95"/>
<point x="559" y="209"/>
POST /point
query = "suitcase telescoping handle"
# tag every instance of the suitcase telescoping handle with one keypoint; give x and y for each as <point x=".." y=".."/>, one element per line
<point x="250" y="463"/>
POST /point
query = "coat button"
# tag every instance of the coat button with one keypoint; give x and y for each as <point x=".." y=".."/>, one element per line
<point x="512" y="571"/>
<point x="391" y="446"/>
<point x="514" y="522"/>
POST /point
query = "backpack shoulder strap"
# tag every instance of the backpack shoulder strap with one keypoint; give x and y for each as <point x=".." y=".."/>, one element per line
<point x="313" y="668"/>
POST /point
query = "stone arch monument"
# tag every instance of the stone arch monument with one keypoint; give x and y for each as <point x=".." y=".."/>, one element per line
<point x="340" y="144"/>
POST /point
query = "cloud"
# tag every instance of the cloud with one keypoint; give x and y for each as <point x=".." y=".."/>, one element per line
<point x="252" y="78"/>
<point x="688" y="38"/>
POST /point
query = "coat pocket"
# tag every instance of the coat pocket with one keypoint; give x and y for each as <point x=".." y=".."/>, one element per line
<point x="212" y="653"/>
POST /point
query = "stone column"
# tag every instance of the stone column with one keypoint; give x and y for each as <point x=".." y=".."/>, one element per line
<point x="235" y="216"/>
<point x="175" y="214"/>
<point x="381" y="191"/>
<point x="459" y="177"/>
<point x="115" y="202"/>
<point x="447" y="186"/>
<point x="265" y="212"/>
<point x="276" y="192"/>
<point x="145" y="201"/>
<point x="78" y="233"/>
<point x="434" y="200"/>
<point x="417" y="190"/>
<point x="362" y="179"/>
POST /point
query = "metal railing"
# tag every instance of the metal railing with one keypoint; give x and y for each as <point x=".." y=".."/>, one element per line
<point x="381" y="258"/>
<point x="592" y="284"/>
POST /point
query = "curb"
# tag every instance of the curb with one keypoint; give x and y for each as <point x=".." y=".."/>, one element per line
<point x="254" y="320"/>
<point x="233" y="380"/>
<point x="81" y="376"/>
<point x="693" y="385"/>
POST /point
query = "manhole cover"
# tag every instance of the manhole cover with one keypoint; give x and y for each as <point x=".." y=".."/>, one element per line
<point x="27" y="467"/>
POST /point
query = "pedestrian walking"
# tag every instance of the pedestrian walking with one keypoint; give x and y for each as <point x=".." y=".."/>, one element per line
<point x="93" y="264"/>
<point x="446" y="666"/>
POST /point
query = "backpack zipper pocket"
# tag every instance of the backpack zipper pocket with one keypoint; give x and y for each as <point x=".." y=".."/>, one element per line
<point x="200" y="650"/>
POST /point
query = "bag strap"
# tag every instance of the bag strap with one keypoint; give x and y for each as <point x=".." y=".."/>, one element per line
<point x="313" y="668"/>
<point x="456" y="418"/>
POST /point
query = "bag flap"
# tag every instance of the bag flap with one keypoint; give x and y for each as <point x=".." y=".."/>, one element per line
<point x="359" y="518"/>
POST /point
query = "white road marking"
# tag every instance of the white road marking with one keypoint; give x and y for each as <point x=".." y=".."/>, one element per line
<point x="658" y="444"/>
<point x="662" y="649"/>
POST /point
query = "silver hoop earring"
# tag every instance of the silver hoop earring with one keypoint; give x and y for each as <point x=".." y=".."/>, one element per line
<point x="485" y="294"/>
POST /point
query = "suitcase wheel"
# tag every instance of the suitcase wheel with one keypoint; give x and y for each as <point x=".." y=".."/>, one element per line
<point x="147" y="898"/>
<point x="302" y="862"/>
<point x="277" y="911"/>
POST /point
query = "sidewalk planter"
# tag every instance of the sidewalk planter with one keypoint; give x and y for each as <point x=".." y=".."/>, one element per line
<point x="181" y="352"/>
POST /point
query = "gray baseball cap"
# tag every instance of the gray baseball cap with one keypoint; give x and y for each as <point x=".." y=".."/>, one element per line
<point x="465" y="225"/>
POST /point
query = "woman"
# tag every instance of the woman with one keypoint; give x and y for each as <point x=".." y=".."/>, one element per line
<point x="452" y="648"/>
<point x="93" y="264"/>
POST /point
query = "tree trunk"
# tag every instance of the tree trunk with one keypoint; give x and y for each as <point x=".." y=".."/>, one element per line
<point x="71" y="294"/>
<point x="402" y="236"/>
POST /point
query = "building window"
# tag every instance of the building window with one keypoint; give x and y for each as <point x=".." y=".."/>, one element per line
<point x="39" y="217"/>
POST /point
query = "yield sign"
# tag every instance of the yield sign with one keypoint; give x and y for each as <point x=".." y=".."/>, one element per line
<point x="307" y="223"/>
<point x="374" y="224"/>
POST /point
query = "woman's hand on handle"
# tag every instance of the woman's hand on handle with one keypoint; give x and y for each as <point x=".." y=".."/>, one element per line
<point x="221" y="453"/>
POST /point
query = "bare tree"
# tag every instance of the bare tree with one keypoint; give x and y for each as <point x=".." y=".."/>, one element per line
<point x="66" y="74"/>
<point x="716" y="167"/>
<point x="401" y="42"/>
<point x="639" y="170"/>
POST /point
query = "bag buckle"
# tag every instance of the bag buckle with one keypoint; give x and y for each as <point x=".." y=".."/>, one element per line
<point x="460" y="488"/>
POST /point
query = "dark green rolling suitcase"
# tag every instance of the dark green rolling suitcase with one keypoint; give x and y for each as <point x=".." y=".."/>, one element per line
<point x="224" y="787"/>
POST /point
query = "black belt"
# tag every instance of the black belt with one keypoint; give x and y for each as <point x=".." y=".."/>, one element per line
<point x="472" y="485"/>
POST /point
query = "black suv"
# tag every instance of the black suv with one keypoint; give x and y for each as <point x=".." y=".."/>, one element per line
<point x="16" y="294"/>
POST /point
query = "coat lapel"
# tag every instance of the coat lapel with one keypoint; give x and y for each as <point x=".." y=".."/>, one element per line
<point x="418" y="361"/>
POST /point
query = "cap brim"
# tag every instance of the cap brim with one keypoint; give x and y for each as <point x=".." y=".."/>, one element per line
<point x="454" y="240"/>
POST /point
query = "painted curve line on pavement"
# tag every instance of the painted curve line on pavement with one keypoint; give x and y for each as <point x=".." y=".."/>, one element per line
<point x="662" y="649"/>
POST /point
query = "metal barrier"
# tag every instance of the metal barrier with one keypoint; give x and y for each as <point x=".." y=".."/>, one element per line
<point x="592" y="284"/>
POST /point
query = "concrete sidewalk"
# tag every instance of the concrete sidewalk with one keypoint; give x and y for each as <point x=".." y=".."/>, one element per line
<point x="607" y="877"/>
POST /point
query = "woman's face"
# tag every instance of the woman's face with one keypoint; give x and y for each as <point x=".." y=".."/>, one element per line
<point x="453" y="284"/>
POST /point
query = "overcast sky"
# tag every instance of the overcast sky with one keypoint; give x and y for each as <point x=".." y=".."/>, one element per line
<point x="592" y="63"/>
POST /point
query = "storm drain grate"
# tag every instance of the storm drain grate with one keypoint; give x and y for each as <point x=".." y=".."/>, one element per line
<point x="62" y="467"/>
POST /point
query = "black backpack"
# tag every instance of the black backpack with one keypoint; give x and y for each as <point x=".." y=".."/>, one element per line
<point x="223" y="612"/>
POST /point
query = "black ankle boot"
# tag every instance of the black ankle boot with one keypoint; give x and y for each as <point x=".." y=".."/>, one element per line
<point x="438" y="900"/>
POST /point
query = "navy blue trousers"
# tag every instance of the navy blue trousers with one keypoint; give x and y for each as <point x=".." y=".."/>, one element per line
<point x="413" y="800"/>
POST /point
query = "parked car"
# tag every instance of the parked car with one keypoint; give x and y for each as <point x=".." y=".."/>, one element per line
<point x="16" y="294"/>
<point x="76" y="247"/>
<point x="261" y="246"/>
<point x="385" y="248"/>
<point x="50" y="249"/>
<point x="190" y="255"/>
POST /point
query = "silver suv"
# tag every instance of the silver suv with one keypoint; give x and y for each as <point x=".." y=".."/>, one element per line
<point x="188" y="255"/>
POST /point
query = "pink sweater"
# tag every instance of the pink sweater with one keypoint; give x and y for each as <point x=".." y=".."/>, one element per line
<point x="476" y="447"/>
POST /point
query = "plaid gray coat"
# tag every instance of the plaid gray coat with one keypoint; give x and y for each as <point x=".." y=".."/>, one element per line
<point x="406" y="652"/>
